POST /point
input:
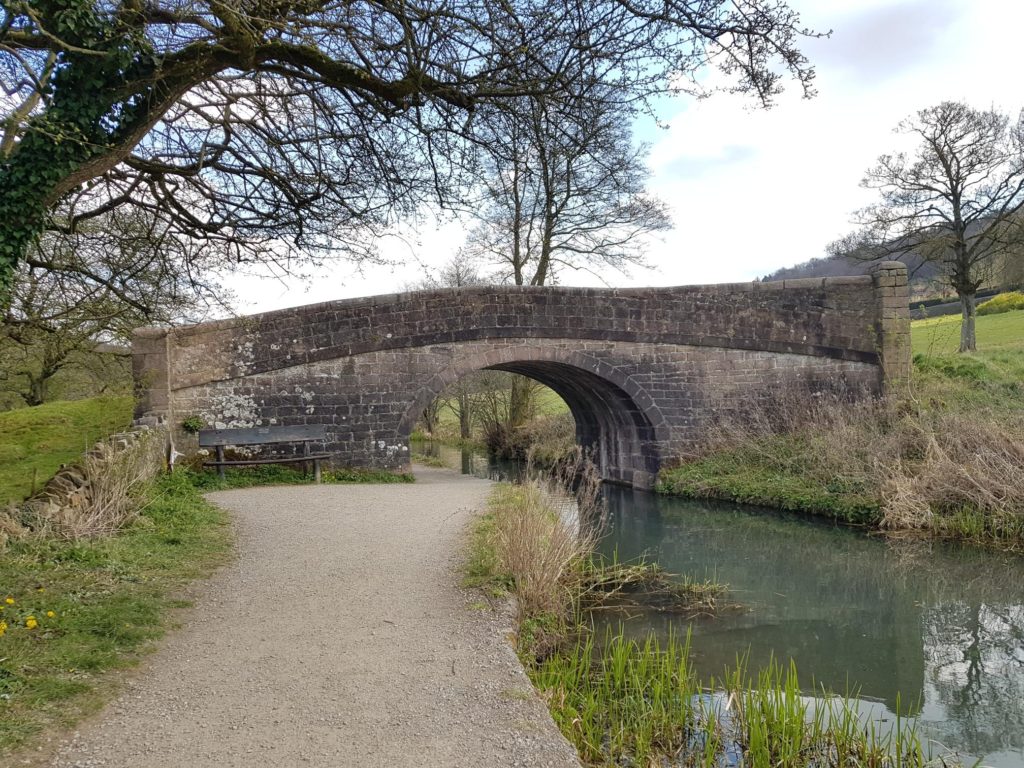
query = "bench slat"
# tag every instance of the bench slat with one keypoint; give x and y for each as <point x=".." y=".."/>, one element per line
<point x="262" y="435"/>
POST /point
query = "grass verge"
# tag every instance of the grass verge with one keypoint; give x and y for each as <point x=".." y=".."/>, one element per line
<point x="109" y="599"/>
<point x="36" y="441"/>
<point x="277" y="474"/>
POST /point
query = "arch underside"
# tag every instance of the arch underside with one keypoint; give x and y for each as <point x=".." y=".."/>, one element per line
<point x="609" y="423"/>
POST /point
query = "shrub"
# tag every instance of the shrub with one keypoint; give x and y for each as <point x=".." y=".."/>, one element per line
<point x="1004" y="302"/>
<point x="192" y="424"/>
<point x="545" y="440"/>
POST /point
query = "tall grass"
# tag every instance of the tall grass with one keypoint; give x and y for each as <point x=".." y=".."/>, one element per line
<point x="949" y="460"/>
<point x="629" y="703"/>
<point x="539" y="550"/>
<point x="115" y="484"/>
<point x="118" y="482"/>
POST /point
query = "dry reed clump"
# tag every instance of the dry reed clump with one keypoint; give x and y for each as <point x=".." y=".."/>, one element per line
<point x="113" y="492"/>
<point x="953" y="472"/>
<point x="832" y="438"/>
<point x="971" y="474"/>
<point x="539" y="548"/>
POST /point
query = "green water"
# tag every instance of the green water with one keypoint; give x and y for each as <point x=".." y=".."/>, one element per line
<point x="941" y="626"/>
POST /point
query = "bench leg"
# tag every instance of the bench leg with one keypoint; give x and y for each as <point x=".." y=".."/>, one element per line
<point x="220" y="457"/>
<point x="316" y="470"/>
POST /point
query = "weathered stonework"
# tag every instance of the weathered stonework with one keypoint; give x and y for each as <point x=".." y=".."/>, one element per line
<point x="642" y="369"/>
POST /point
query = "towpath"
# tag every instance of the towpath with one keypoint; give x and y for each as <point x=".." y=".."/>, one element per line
<point x="339" y="637"/>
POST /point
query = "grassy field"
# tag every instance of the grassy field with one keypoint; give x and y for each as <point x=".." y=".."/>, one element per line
<point x="996" y="333"/>
<point x="34" y="442"/>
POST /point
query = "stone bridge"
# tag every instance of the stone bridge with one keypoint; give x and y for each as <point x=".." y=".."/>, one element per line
<point x="642" y="370"/>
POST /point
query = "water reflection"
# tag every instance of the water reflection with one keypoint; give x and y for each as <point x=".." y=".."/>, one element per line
<point x="941" y="626"/>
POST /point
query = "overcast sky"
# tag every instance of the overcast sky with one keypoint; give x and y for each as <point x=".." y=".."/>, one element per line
<point x="754" y="190"/>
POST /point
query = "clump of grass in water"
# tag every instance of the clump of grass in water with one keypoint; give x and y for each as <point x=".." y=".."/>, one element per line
<point x="625" y="702"/>
<point x="613" y="585"/>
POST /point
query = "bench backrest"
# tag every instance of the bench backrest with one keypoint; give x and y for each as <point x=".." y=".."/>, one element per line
<point x="299" y="433"/>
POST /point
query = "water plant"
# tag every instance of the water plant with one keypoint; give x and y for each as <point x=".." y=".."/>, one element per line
<point x="624" y="702"/>
<point x="638" y="702"/>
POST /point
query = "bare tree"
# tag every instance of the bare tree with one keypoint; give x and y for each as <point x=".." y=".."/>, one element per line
<point x="76" y="298"/>
<point x="563" y="189"/>
<point x="956" y="201"/>
<point x="281" y="128"/>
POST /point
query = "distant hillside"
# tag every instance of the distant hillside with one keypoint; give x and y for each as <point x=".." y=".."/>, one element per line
<point x="923" y="277"/>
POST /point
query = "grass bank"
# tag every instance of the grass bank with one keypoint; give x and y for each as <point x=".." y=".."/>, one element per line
<point x="628" y="703"/>
<point x="76" y="611"/>
<point x="947" y="459"/>
<point x="35" y="441"/>
<point x="85" y="591"/>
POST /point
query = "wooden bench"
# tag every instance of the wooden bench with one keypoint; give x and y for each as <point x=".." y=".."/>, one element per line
<point x="305" y="434"/>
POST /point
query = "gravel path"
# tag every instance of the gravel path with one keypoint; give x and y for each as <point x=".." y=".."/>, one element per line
<point x="338" y="638"/>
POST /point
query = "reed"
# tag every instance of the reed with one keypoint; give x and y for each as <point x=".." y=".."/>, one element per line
<point x="626" y="702"/>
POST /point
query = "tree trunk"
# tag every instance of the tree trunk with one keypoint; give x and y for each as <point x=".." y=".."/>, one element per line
<point x="968" y="338"/>
<point x="429" y="417"/>
<point x="519" y="402"/>
<point x="37" y="390"/>
<point x="465" y="417"/>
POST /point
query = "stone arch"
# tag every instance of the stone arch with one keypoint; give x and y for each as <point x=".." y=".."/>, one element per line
<point x="615" y="416"/>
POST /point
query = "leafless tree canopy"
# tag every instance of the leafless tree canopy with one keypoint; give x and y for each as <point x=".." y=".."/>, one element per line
<point x="563" y="189"/>
<point x="278" y="128"/>
<point x="957" y="200"/>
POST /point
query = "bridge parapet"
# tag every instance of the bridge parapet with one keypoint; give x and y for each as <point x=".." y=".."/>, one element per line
<point x="841" y="318"/>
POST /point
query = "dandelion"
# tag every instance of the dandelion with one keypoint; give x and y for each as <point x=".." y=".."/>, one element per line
<point x="31" y="622"/>
<point x="9" y="600"/>
<point x="50" y="614"/>
<point x="3" y="628"/>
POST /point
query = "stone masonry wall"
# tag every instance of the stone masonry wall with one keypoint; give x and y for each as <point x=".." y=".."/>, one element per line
<point x="642" y="369"/>
<point x="369" y="402"/>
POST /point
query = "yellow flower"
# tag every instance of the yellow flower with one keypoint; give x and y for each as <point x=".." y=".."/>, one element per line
<point x="50" y="614"/>
<point x="3" y="628"/>
<point x="31" y="622"/>
<point x="41" y="589"/>
<point x="9" y="600"/>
